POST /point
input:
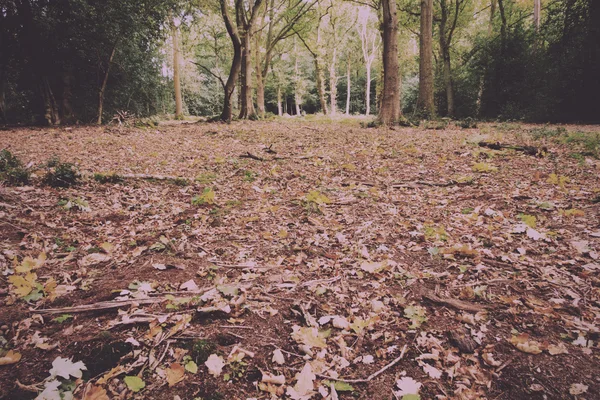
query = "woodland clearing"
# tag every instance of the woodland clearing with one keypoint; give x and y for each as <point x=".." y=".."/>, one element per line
<point x="270" y="259"/>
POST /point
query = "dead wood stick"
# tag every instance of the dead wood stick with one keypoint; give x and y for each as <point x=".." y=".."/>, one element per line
<point x="454" y="303"/>
<point x="427" y="183"/>
<point x="252" y="156"/>
<point x="531" y="150"/>
<point x="107" y="305"/>
<point x="370" y="377"/>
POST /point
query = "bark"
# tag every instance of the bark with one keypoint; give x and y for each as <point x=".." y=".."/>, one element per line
<point x="348" y="84"/>
<point x="176" y="78"/>
<point x="2" y="95"/>
<point x="368" y="91"/>
<point x="279" y="110"/>
<point x="537" y="14"/>
<point x="236" y="63"/>
<point x="321" y="86"/>
<point x="104" y="82"/>
<point x="425" y="98"/>
<point x="51" y="112"/>
<point x="333" y="83"/>
<point x="247" y="106"/>
<point x="389" y="111"/>
<point x="67" y="96"/>
<point x="260" y="81"/>
<point x="447" y="28"/>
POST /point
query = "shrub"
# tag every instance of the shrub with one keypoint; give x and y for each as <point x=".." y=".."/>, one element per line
<point x="11" y="169"/>
<point x="61" y="174"/>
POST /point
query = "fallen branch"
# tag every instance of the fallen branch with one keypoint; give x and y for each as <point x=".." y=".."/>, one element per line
<point x="370" y="377"/>
<point x="107" y="305"/>
<point x="530" y="150"/>
<point x="454" y="303"/>
<point x="252" y="156"/>
<point x="426" y="183"/>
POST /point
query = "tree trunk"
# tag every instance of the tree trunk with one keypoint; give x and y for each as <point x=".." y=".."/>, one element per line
<point x="260" y="79"/>
<point x="176" y="78"/>
<point x="279" y="110"/>
<point x="2" y="94"/>
<point x="51" y="114"/>
<point x="236" y="64"/>
<point x="389" y="111"/>
<point x="333" y="84"/>
<point x="445" y="36"/>
<point x="537" y="14"/>
<point x="425" y="98"/>
<point x="368" y="91"/>
<point x="247" y="106"/>
<point x="348" y="83"/>
<point x="104" y="82"/>
<point x="321" y="86"/>
<point x="67" y="95"/>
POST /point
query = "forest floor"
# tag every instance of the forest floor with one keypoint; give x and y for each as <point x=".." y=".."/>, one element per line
<point x="303" y="260"/>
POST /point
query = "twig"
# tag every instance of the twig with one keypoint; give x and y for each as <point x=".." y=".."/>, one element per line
<point x="252" y="156"/>
<point x="106" y="305"/>
<point x="370" y="377"/>
<point x="454" y="303"/>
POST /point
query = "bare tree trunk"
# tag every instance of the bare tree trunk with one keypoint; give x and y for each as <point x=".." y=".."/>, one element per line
<point x="448" y="83"/>
<point x="389" y="111"/>
<point x="321" y="87"/>
<point x="537" y="14"/>
<point x="445" y="35"/>
<point x="279" y="110"/>
<point x="333" y="84"/>
<point x="368" y="91"/>
<point x="104" y="82"/>
<point x="176" y="78"/>
<point x="425" y="99"/>
<point x="51" y="114"/>
<point x="2" y="94"/>
<point x="260" y="79"/>
<point x="236" y="64"/>
<point x="67" y="95"/>
<point x="297" y="97"/>
<point x="247" y="106"/>
<point x="348" y="83"/>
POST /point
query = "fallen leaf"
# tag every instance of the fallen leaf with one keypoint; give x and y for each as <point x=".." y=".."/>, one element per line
<point x="93" y="392"/>
<point x="134" y="383"/>
<point x="65" y="368"/>
<point x="11" y="357"/>
<point x="278" y="357"/>
<point x="408" y="386"/>
<point x="175" y="374"/>
<point x="578" y="388"/>
<point x="93" y="259"/>
<point x="557" y="349"/>
<point x="215" y="364"/>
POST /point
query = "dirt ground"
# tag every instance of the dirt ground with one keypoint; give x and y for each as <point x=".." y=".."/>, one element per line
<point x="290" y="254"/>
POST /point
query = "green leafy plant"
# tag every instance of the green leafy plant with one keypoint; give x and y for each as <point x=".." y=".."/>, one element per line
<point x="11" y="169"/>
<point x="61" y="174"/>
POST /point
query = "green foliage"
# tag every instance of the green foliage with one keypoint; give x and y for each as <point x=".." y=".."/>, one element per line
<point x="202" y="349"/>
<point x="11" y="169"/>
<point x="61" y="174"/>
<point x="207" y="197"/>
<point x="110" y="177"/>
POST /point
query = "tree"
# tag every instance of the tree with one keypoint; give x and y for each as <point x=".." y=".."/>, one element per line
<point x="316" y="51"/>
<point x="281" y="18"/>
<point x="425" y="103"/>
<point x="176" y="78"/>
<point x="240" y="35"/>
<point x="450" y="11"/>
<point x="389" y="110"/>
<point x="370" y="42"/>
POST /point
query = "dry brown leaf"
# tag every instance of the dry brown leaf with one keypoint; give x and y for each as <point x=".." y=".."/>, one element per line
<point x="175" y="374"/>
<point x="11" y="357"/>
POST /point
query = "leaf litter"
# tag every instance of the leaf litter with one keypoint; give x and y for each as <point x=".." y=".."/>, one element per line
<point x="299" y="276"/>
